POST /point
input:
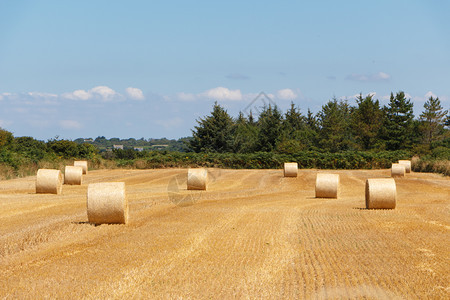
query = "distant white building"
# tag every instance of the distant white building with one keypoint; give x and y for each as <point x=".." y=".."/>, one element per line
<point x="140" y="149"/>
<point x="118" y="147"/>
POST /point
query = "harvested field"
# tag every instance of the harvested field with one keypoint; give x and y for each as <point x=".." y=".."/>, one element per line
<point x="251" y="234"/>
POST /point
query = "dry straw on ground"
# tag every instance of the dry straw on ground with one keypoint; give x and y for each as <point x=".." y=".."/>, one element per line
<point x="327" y="185"/>
<point x="83" y="164"/>
<point x="381" y="193"/>
<point x="107" y="203"/>
<point x="197" y="179"/>
<point x="49" y="181"/>
<point x="398" y="170"/>
<point x="407" y="164"/>
<point x="73" y="175"/>
<point x="290" y="169"/>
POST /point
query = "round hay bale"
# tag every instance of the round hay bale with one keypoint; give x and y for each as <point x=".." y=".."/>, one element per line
<point x="407" y="164"/>
<point x="73" y="175"/>
<point x="290" y="169"/>
<point x="327" y="185"/>
<point x="83" y="164"/>
<point x="398" y="170"/>
<point x="197" y="179"/>
<point x="107" y="203"/>
<point x="49" y="181"/>
<point x="381" y="193"/>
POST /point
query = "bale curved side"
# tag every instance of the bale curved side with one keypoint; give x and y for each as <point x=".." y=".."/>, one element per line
<point x="398" y="170"/>
<point x="290" y="169"/>
<point x="49" y="181"/>
<point x="73" y="175"/>
<point x="83" y="164"/>
<point x="107" y="203"/>
<point x="327" y="185"/>
<point x="197" y="179"/>
<point x="381" y="193"/>
<point x="407" y="164"/>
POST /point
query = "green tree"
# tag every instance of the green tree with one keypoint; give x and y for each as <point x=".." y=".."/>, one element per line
<point x="270" y="128"/>
<point x="245" y="135"/>
<point x="6" y="138"/>
<point x="433" y="120"/>
<point x="214" y="133"/>
<point x="293" y="121"/>
<point x="334" y="133"/>
<point x="366" y="121"/>
<point x="293" y="127"/>
<point x="398" y="128"/>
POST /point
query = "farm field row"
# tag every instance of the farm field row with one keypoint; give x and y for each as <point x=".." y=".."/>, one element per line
<point x="252" y="234"/>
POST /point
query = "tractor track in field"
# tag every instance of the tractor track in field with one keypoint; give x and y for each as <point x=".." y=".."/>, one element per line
<point x="252" y="234"/>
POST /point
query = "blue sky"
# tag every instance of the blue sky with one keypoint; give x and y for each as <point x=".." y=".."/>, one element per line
<point x="151" y="68"/>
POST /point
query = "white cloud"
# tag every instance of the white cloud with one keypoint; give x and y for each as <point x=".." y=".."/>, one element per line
<point x="380" y="76"/>
<point x="430" y="94"/>
<point x="41" y="95"/>
<point x="135" y="93"/>
<point x="186" y="96"/>
<point x="78" y="95"/>
<point x="70" y="124"/>
<point x="286" y="94"/>
<point x="221" y="93"/>
<point x="103" y="93"/>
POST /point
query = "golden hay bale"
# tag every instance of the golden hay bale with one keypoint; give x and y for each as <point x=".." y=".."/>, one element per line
<point x="197" y="179"/>
<point x="49" y="181"/>
<point x="107" y="203"/>
<point x="407" y="164"/>
<point x="83" y="164"/>
<point x="381" y="193"/>
<point x="73" y="175"/>
<point x="290" y="169"/>
<point x="398" y="170"/>
<point x="327" y="185"/>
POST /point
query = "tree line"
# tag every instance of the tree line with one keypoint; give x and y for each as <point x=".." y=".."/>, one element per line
<point x="338" y="126"/>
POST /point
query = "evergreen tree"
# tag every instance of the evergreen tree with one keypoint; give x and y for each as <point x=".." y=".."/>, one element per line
<point x="366" y="121"/>
<point x="293" y="121"/>
<point x="270" y="127"/>
<point x="214" y="133"/>
<point x="245" y="135"/>
<point x="398" y="127"/>
<point x="432" y="120"/>
<point x="334" y="130"/>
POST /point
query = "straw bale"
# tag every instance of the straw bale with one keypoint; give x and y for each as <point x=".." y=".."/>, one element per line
<point x="290" y="169"/>
<point x="381" y="193"/>
<point x="73" y="175"/>
<point x="398" y="170"/>
<point x="49" y="181"/>
<point x="407" y="164"/>
<point x="327" y="185"/>
<point x="83" y="164"/>
<point x="107" y="203"/>
<point x="197" y="179"/>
